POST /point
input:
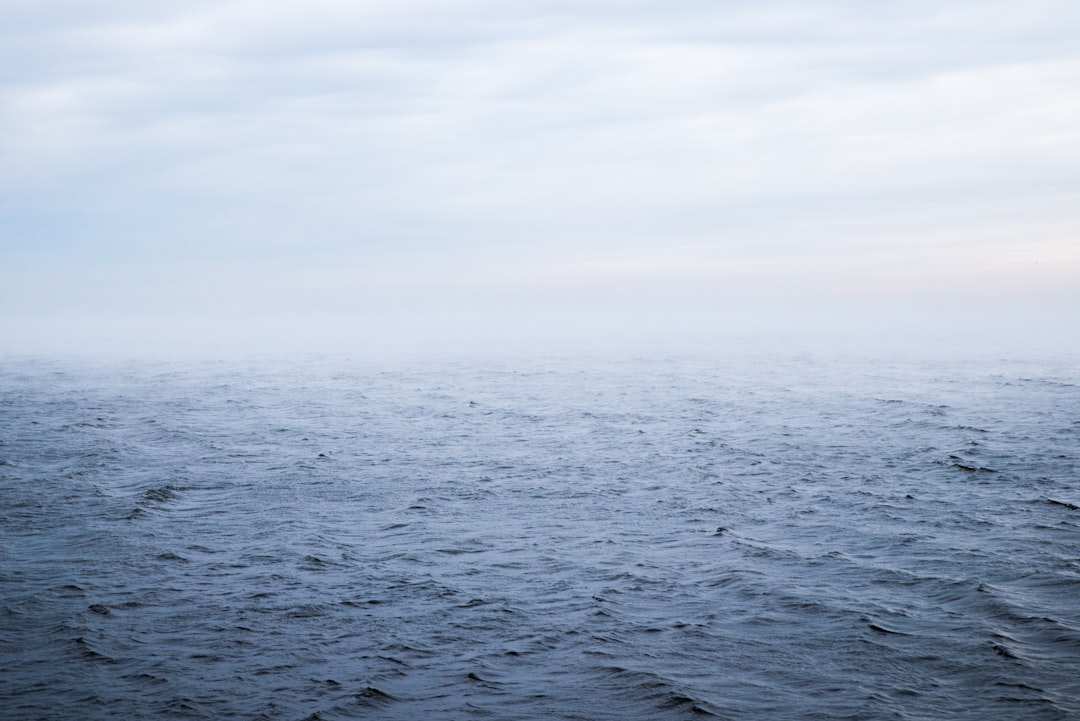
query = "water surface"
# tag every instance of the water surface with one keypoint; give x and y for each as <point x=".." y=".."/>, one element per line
<point x="747" y="538"/>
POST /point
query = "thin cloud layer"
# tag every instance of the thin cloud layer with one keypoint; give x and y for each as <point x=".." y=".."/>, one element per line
<point x="349" y="163"/>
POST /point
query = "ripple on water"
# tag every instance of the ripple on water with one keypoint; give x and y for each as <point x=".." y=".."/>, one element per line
<point x="623" y="539"/>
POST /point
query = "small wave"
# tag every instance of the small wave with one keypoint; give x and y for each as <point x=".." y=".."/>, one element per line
<point x="973" y="469"/>
<point x="878" y="628"/>
<point x="307" y="610"/>
<point x="372" y="696"/>
<point x="162" y="494"/>
<point x="1002" y="647"/>
<point x="459" y="551"/>
<point x="473" y="603"/>
<point x="360" y="604"/>
<point x="91" y="654"/>
<point x="145" y="678"/>
<point x="1048" y="382"/>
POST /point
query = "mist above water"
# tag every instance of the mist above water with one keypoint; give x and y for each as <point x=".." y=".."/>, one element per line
<point x="860" y="328"/>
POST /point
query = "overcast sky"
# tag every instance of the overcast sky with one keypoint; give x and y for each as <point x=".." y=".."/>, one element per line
<point x="364" y="174"/>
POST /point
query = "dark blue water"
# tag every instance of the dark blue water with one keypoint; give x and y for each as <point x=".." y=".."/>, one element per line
<point x="753" y="538"/>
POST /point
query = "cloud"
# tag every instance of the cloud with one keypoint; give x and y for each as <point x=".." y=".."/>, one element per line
<point x="362" y="155"/>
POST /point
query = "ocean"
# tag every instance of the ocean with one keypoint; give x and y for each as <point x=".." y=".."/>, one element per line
<point x="745" y="537"/>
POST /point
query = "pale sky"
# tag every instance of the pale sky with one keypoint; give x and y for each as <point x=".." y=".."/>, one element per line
<point x="331" y="175"/>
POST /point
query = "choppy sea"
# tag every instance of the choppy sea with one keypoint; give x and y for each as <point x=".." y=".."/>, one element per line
<point x="755" y="537"/>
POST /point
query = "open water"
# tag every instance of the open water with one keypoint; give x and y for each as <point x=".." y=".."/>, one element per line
<point x="742" y="538"/>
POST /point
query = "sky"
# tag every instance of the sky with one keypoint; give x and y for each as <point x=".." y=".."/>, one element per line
<point x="371" y="175"/>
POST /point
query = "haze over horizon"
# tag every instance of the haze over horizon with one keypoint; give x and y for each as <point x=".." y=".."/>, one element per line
<point x="423" y="176"/>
